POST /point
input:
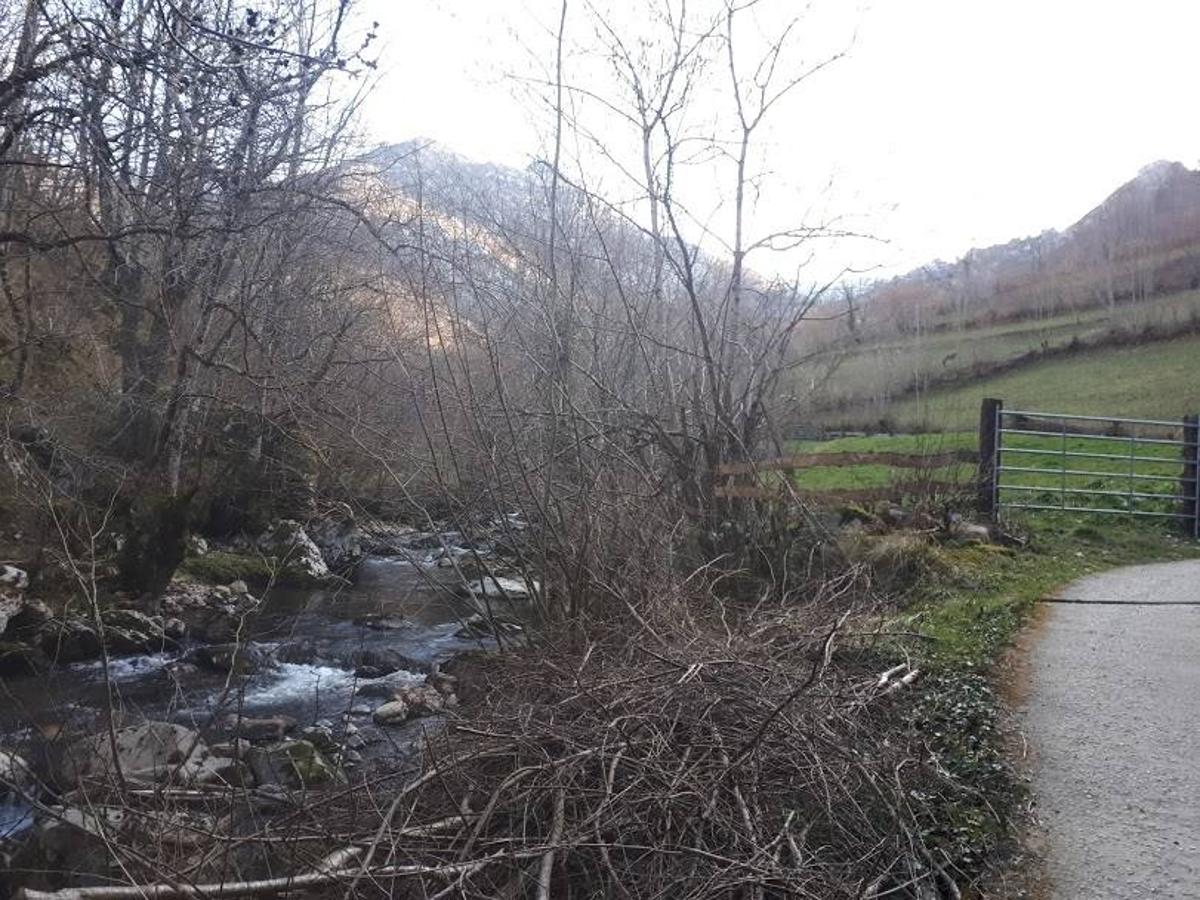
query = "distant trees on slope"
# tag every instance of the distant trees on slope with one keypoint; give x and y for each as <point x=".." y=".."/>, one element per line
<point x="1141" y="241"/>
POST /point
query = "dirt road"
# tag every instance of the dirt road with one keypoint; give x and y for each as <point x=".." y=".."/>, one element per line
<point x="1112" y="717"/>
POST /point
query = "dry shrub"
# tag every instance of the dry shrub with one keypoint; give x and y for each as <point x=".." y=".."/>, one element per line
<point x="757" y="762"/>
<point x="895" y="559"/>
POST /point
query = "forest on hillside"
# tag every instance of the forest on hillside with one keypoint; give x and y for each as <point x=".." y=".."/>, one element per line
<point x="1141" y="242"/>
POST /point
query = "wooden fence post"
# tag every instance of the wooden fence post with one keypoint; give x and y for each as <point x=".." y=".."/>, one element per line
<point x="989" y="418"/>
<point x="1189" y="487"/>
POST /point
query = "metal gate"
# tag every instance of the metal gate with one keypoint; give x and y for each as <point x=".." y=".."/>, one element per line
<point x="1105" y="465"/>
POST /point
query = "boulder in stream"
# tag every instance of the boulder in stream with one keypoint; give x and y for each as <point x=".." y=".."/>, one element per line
<point x="239" y="659"/>
<point x="260" y="730"/>
<point x="322" y="737"/>
<point x="497" y="587"/>
<point x="210" y="613"/>
<point x="338" y="537"/>
<point x="288" y="542"/>
<point x="292" y="763"/>
<point x="16" y="775"/>
<point x="131" y="631"/>
<point x="149" y="753"/>
<point x="12" y="577"/>
<point x="424" y="700"/>
<point x="394" y="712"/>
<point x="372" y="663"/>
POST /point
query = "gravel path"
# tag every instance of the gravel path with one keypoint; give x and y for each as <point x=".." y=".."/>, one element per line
<point x="1113" y="720"/>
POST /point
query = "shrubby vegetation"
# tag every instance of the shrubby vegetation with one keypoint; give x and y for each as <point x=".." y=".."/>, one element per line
<point x="224" y="320"/>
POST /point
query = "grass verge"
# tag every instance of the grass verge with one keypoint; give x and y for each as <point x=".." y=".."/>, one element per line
<point x="973" y="610"/>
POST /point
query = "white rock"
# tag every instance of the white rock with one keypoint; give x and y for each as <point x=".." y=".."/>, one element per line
<point x="149" y="753"/>
<point x="391" y="713"/>
<point x="10" y="605"/>
<point x="421" y="700"/>
<point x="15" y="774"/>
<point x="287" y="540"/>
<point x="14" y="577"/>
<point x="496" y="587"/>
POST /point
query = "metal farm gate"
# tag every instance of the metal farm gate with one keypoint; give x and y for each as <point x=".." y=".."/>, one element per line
<point x="1105" y="465"/>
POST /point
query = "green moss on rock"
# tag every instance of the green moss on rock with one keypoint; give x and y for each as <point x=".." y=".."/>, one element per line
<point x="223" y="567"/>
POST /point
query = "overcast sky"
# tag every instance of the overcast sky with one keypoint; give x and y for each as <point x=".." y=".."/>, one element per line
<point x="950" y="124"/>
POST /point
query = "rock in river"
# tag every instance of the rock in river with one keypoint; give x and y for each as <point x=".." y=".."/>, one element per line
<point x="15" y="775"/>
<point x="394" y="712"/>
<point x="424" y="699"/>
<point x="13" y="577"/>
<point x="294" y="763"/>
<point x="272" y="728"/>
<point x="149" y="753"/>
<point x="240" y="659"/>
<point x="338" y="537"/>
<point x="370" y="663"/>
<point x="497" y="587"/>
<point x="131" y="631"/>
<point x="287" y="541"/>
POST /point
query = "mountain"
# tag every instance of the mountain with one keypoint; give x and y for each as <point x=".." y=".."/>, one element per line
<point x="1142" y="240"/>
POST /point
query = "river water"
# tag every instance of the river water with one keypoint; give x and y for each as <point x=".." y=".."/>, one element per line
<point x="396" y="605"/>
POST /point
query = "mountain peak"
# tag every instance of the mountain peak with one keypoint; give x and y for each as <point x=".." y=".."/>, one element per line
<point x="1161" y="170"/>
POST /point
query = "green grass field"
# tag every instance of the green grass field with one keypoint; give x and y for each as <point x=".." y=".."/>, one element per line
<point x="870" y="373"/>
<point x="1043" y="484"/>
<point x="870" y="477"/>
<point x="1158" y="380"/>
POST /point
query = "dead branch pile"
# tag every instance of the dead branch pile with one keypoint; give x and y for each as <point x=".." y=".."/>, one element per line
<point x="723" y="769"/>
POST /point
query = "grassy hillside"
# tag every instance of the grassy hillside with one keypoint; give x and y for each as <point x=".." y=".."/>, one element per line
<point x="1157" y="380"/>
<point x="873" y="377"/>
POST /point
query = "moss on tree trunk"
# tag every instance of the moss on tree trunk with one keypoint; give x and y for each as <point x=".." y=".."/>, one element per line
<point x="155" y="543"/>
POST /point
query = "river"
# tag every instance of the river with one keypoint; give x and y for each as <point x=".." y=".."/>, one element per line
<point x="395" y="605"/>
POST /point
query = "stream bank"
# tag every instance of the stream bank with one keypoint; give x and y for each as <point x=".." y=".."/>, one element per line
<point x="297" y="688"/>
